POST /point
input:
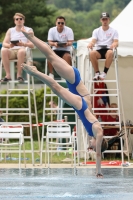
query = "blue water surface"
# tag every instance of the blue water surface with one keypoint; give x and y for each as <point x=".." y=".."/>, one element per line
<point x="64" y="184"/>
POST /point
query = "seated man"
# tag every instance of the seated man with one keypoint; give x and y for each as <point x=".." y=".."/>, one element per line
<point x="15" y="50"/>
<point x="105" y="39"/>
<point x="56" y="37"/>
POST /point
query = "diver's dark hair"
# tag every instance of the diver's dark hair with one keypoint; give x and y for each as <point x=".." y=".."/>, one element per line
<point x="105" y="143"/>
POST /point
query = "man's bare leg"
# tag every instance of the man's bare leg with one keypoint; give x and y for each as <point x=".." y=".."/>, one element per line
<point x="67" y="58"/>
<point x="5" y="54"/>
<point x="94" y="56"/>
<point x="109" y="58"/>
<point x="21" y="58"/>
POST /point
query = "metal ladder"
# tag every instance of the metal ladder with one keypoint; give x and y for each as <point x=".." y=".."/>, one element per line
<point x="115" y="96"/>
<point x="26" y="111"/>
<point x="86" y="71"/>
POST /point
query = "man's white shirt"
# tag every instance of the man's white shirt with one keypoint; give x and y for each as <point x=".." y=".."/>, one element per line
<point x="18" y="35"/>
<point x="104" y="37"/>
<point x="64" y="36"/>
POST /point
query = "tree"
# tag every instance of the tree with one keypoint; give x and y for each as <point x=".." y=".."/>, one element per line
<point x="71" y="22"/>
<point x="74" y="5"/>
<point x="81" y="15"/>
<point x="38" y="15"/>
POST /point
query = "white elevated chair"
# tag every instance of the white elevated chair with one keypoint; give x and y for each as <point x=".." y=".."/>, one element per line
<point x="115" y="96"/>
<point x="14" y="132"/>
<point x="13" y="89"/>
<point x="86" y="70"/>
<point x="55" y="133"/>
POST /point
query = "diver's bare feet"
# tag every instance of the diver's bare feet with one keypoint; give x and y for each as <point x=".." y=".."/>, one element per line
<point x="29" y="34"/>
<point x="32" y="70"/>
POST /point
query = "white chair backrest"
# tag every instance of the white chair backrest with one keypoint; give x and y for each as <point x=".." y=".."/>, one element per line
<point x="11" y="131"/>
<point x="61" y="130"/>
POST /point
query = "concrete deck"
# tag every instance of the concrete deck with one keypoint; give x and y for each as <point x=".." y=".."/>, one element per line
<point x="4" y="165"/>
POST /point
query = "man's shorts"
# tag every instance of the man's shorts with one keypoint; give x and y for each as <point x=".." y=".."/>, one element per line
<point x="103" y="52"/>
<point x="13" y="54"/>
<point x="61" y="53"/>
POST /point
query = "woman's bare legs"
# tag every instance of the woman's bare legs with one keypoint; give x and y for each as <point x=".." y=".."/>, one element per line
<point x="59" y="64"/>
<point x="73" y="100"/>
<point x="67" y="96"/>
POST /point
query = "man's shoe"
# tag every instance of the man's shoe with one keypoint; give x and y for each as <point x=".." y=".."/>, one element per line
<point x="96" y="77"/>
<point x="102" y="75"/>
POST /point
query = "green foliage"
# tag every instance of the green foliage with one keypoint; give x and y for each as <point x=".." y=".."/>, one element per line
<point x="81" y="15"/>
<point x="71" y="22"/>
<point x="75" y="5"/>
<point x="56" y="158"/>
<point x="22" y="102"/>
<point x="85" y="5"/>
<point x="38" y="16"/>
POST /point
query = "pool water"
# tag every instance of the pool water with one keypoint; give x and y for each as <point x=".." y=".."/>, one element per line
<point x="64" y="184"/>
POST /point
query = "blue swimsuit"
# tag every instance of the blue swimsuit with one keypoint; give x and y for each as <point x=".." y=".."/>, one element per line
<point x="72" y="88"/>
<point x="87" y="124"/>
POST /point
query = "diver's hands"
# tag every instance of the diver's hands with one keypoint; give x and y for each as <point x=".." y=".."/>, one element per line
<point x="99" y="175"/>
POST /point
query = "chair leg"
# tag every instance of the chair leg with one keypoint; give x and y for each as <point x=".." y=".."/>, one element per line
<point x="19" y="156"/>
<point x="74" y="155"/>
<point x="24" y="154"/>
<point x="41" y="152"/>
<point x="48" y="154"/>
